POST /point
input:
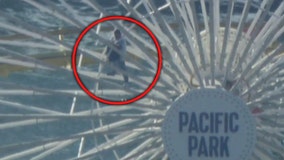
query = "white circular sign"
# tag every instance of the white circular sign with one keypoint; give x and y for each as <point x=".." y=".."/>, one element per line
<point x="209" y="124"/>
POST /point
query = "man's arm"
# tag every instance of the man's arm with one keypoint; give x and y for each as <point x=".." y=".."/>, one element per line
<point x="122" y="47"/>
<point x="121" y="44"/>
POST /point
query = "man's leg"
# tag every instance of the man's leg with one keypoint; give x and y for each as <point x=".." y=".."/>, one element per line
<point x="123" y="67"/>
<point x="112" y="72"/>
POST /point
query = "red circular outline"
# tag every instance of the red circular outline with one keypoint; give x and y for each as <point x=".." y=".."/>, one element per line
<point x="109" y="18"/>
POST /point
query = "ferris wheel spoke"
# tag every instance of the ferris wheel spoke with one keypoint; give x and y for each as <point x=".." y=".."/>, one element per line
<point x="23" y="123"/>
<point x="190" y="47"/>
<point x="30" y="151"/>
<point x="113" y="144"/>
<point x="233" y="52"/>
<point x="137" y="150"/>
<point x="166" y="69"/>
<point x="187" y="36"/>
<point x="272" y="112"/>
<point x="273" y="96"/>
<point x="269" y="89"/>
<point x="51" y="151"/>
<point x="214" y="38"/>
<point x="173" y="38"/>
<point x="26" y="90"/>
<point x="259" y="51"/>
<point x="158" y="155"/>
<point x="263" y="81"/>
<point x="260" y="18"/>
<point x="58" y="13"/>
<point x="36" y="63"/>
<point x="266" y="61"/>
<point x="271" y="131"/>
<point x="28" y="107"/>
<point x="263" y="153"/>
<point x="67" y="47"/>
<point x="197" y="29"/>
<point x="20" y="63"/>
<point x="271" y="146"/>
<point x="98" y="131"/>
<point x="70" y="9"/>
<point x="148" y="153"/>
<point x="274" y="16"/>
<point x="35" y="34"/>
<point x="257" y="17"/>
<point x="75" y="116"/>
<point x="29" y="44"/>
<point x="69" y="16"/>
<point x="143" y="18"/>
<point x="171" y="35"/>
<point x="274" y="123"/>
<point x="160" y="150"/>
<point x="29" y="32"/>
<point x="159" y="33"/>
<point x="276" y="136"/>
<point x="96" y="112"/>
<point x="226" y="33"/>
<point x="14" y="124"/>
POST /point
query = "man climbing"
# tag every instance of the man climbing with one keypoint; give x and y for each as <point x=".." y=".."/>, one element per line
<point x="116" y="59"/>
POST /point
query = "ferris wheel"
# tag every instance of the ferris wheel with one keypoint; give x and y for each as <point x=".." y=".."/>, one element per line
<point x="224" y="52"/>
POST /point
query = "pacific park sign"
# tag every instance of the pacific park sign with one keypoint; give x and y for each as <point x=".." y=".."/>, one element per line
<point x="208" y="124"/>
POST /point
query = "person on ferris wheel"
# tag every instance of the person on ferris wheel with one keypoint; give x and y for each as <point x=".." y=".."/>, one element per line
<point x="116" y="59"/>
